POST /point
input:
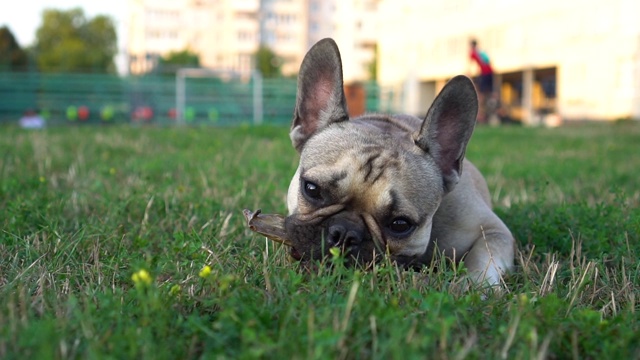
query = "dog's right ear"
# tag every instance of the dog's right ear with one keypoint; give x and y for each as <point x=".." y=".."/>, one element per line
<point x="320" y="100"/>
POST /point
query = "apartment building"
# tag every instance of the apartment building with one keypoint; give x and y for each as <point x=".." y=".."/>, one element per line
<point x="322" y="20"/>
<point x="283" y="29"/>
<point x="226" y="33"/>
<point x="157" y="27"/>
<point x="352" y="24"/>
<point x="234" y="35"/>
<point x="573" y="59"/>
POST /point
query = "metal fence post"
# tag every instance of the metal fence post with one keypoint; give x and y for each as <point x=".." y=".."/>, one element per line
<point x="180" y="96"/>
<point x="257" y="98"/>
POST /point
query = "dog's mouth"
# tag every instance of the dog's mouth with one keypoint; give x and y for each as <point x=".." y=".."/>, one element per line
<point x="311" y="236"/>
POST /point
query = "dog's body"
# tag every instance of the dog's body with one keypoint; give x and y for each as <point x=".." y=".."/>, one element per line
<point x="392" y="185"/>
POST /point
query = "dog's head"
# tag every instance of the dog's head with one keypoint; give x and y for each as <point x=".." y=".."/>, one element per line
<point x="372" y="184"/>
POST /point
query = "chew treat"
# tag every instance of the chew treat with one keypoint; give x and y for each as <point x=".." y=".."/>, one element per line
<point x="269" y="225"/>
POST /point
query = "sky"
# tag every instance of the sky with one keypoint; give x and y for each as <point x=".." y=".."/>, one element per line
<point x="23" y="17"/>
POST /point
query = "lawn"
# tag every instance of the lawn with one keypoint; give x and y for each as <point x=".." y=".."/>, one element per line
<point x="128" y="242"/>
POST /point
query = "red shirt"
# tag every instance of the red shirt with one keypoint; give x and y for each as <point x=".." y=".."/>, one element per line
<point x="483" y="62"/>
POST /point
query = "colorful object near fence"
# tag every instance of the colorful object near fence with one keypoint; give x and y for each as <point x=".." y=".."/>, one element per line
<point x="213" y="115"/>
<point x="107" y="113"/>
<point x="143" y="113"/>
<point x="83" y="113"/>
<point x="190" y="114"/>
<point x="72" y="113"/>
<point x="112" y="98"/>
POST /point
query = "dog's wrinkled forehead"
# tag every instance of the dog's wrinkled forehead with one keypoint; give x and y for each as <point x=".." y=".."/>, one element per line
<point x="369" y="169"/>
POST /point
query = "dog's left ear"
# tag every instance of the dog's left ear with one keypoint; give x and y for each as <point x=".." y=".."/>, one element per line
<point x="320" y="100"/>
<point x="448" y="127"/>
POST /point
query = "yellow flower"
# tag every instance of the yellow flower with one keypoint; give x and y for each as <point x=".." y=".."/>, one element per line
<point x="205" y="272"/>
<point x="141" y="277"/>
<point x="175" y="290"/>
<point x="523" y="299"/>
<point x="112" y="171"/>
<point x="42" y="179"/>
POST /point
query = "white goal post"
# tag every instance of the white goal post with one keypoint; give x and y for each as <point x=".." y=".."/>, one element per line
<point x="181" y="89"/>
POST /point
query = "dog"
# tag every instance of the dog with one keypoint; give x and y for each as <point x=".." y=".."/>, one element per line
<point x="389" y="185"/>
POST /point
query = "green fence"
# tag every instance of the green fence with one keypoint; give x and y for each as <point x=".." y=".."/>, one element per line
<point x="101" y="98"/>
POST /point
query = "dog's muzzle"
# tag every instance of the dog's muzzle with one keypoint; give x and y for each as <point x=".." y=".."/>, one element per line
<point x="344" y="230"/>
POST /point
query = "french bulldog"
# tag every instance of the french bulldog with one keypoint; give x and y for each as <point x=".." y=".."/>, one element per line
<point x="389" y="185"/>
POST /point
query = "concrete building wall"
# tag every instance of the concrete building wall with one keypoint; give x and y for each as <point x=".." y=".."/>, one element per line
<point x="593" y="46"/>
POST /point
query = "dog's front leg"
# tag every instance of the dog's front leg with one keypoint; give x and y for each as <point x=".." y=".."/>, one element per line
<point x="491" y="255"/>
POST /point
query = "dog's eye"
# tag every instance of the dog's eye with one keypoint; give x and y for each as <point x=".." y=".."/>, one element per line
<point x="400" y="227"/>
<point x="312" y="190"/>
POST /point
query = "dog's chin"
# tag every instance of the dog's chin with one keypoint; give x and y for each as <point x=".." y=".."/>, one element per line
<point x="408" y="262"/>
<point x="356" y="259"/>
<point x="349" y="260"/>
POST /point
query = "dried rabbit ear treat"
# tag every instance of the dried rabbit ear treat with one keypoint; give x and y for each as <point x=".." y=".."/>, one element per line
<point x="269" y="225"/>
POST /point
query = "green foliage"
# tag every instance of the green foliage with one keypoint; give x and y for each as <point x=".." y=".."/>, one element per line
<point x="268" y="63"/>
<point x="12" y="56"/>
<point x="372" y="67"/>
<point x="85" y="209"/>
<point x="67" y="41"/>
<point x="175" y="60"/>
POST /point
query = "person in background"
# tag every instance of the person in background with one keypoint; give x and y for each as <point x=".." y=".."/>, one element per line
<point x="484" y="82"/>
<point x="31" y="120"/>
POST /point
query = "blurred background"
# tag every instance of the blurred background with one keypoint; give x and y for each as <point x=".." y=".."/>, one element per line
<point x="235" y="61"/>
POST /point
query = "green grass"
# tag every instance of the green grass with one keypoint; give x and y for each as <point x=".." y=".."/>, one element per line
<point x="84" y="209"/>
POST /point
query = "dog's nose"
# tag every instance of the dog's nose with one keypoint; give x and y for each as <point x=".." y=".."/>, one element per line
<point x="339" y="235"/>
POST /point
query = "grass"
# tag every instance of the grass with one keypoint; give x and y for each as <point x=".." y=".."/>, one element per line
<point x="85" y="209"/>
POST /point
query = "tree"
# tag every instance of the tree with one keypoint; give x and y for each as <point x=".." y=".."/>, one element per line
<point x="372" y="67"/>
<point x="174" y="60"/>
<point x="268" y="63"/>
<point x="67" y="41"/>
<point x="12" y="56"/>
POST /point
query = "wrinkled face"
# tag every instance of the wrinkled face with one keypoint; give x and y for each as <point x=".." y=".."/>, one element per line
<point x="365" y="191"/>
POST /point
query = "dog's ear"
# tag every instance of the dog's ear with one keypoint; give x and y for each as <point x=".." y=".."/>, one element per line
<point x="448" y="126"/>
<point x="320" y="100"/>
